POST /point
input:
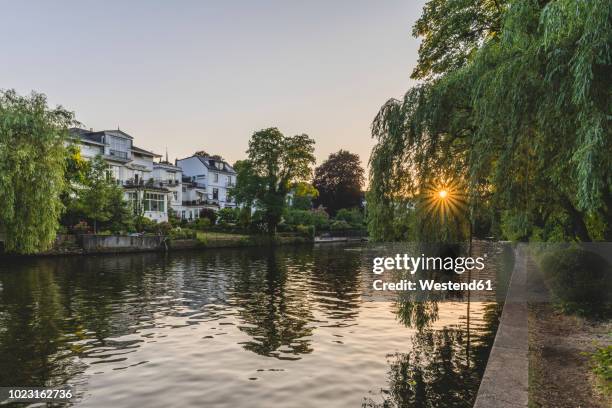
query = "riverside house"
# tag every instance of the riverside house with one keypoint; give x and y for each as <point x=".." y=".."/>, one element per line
<point x="188" y="186"/>
<point x="144" y="182"/>
<point x="207" y="181"/>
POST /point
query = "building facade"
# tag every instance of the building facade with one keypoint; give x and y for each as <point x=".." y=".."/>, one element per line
<point x="207" y="181"/>
<point x="153" y="186"/>
<point x="131" y="167"/>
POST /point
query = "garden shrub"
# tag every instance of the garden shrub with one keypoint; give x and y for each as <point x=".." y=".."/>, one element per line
<point x="227" y="216"/>
<point x="579" y="279"/>
<point x="182" y="233"/>
<point x="305" y="230"/>
<point x="201" y="223"/>
<point x="163" y="228"/>
<point x="317" y="217"/>
<point x="339" y="225"/>
<point x="353" y="216"/>
<point x="210" y="214"/>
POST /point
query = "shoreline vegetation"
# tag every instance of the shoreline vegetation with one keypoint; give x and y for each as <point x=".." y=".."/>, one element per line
<point x="92" y="244"/>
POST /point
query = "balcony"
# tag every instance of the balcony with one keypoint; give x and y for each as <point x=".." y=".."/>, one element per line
<point x="120" y="154"/>
<point x="200" y="202"/>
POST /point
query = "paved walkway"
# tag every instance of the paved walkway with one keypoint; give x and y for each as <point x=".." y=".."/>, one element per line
<point x="505" y="381"/>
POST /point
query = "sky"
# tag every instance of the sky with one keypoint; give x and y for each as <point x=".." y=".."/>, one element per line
<point x="204" y="75"/>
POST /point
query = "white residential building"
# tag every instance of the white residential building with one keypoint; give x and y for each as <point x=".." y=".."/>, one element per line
<point x="207" y="181"/>
<point x="133" y="168"/>
<point x="188" y="186"/>
<point x="169" y="176"/>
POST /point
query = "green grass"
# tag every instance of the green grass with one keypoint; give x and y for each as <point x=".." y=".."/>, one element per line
<point x="601" y="361"/>
<point x="219" y="235"/>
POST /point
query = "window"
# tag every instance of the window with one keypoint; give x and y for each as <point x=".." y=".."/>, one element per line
<point x="215" y="193"/>
<point x="119" y="147"/>
<point x="216" y="177"/>
<point x="175" y="195"/>
<point x="154" y="202"/>
<point x="133" y="201"/>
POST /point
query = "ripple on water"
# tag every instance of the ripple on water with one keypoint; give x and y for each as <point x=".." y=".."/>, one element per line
<point x="229" y="328"/>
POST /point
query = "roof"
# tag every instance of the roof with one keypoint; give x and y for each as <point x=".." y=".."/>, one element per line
<point x="166" y="165"/>
<point x="209" y="163"/>
<point x="88" y="136"/>
<point x="144" y="152"/>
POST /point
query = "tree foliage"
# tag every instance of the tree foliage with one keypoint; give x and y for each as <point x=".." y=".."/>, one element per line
<point x="519" y="114"/>
<point x="339" y="180"/>
<point x="32" y="163"/>
<point x="275" y="162"/>
<point x="100" y="199"/>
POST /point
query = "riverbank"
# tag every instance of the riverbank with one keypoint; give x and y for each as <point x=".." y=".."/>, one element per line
<point x="505" y="380"/>
<point x="560" y="370"/>
<point x="90" y="244"/>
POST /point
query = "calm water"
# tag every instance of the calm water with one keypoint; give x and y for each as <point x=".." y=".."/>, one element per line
<point x="230" y="328"/>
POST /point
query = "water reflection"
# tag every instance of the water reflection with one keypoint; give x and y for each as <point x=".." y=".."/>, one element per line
<point x="443" y="368"/>
<point x="211" y="320"/>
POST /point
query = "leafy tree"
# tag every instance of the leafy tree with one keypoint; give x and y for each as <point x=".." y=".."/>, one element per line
<point x="32" y="164"/>
<point x="516" y="114"/>
<point x="274" y="163"/>
<point x="96" y="198"/>
<point x="227" y="216"/>
<point x="339" y="181"/>
<point x="303" y="196"/>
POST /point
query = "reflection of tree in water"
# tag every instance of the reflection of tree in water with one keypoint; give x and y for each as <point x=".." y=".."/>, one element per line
<point x="53" y="311"/>
<point x="273" y="303"/>
<point x="418" y="314"/>
<point x="336" y="281"/>
<point x="32" y="348"/>
<point x="443" y="368"/>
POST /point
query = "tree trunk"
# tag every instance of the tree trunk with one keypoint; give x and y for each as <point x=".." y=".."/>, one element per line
<point x="580" y="229"/>
<point x="607" y="216"/>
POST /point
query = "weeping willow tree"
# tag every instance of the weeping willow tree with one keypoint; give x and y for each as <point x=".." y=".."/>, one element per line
<point x="513" y="111"/>
<point x="33" y="157"/>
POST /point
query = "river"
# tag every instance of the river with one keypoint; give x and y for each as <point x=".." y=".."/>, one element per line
<point x="284" y="327"/>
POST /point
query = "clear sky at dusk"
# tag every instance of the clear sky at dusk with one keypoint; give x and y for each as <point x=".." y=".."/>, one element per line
<point x="205" y="75"/>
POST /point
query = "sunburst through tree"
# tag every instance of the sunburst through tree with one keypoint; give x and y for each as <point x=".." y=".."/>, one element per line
<point x="444" y="206"/>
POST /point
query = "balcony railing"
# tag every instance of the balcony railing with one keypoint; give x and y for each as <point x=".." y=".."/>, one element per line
<point x="119" y="153"/>
<point x="201" y="202"/>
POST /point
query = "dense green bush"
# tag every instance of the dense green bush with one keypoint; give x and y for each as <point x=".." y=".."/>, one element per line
<point x="317" y="217"/>
<point x="305" y="230"/>
<point x="143" y="224"/>
<point x="227" y="216"/>
<point x="201" y="223"/>
<point x="579" y="279"/>
<point x="353" y="216"/>
<point x="339" y="225"/>
<point x="210" y="214"/>
<point x="163" y="228"/>
<point x="182" y="233"/>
